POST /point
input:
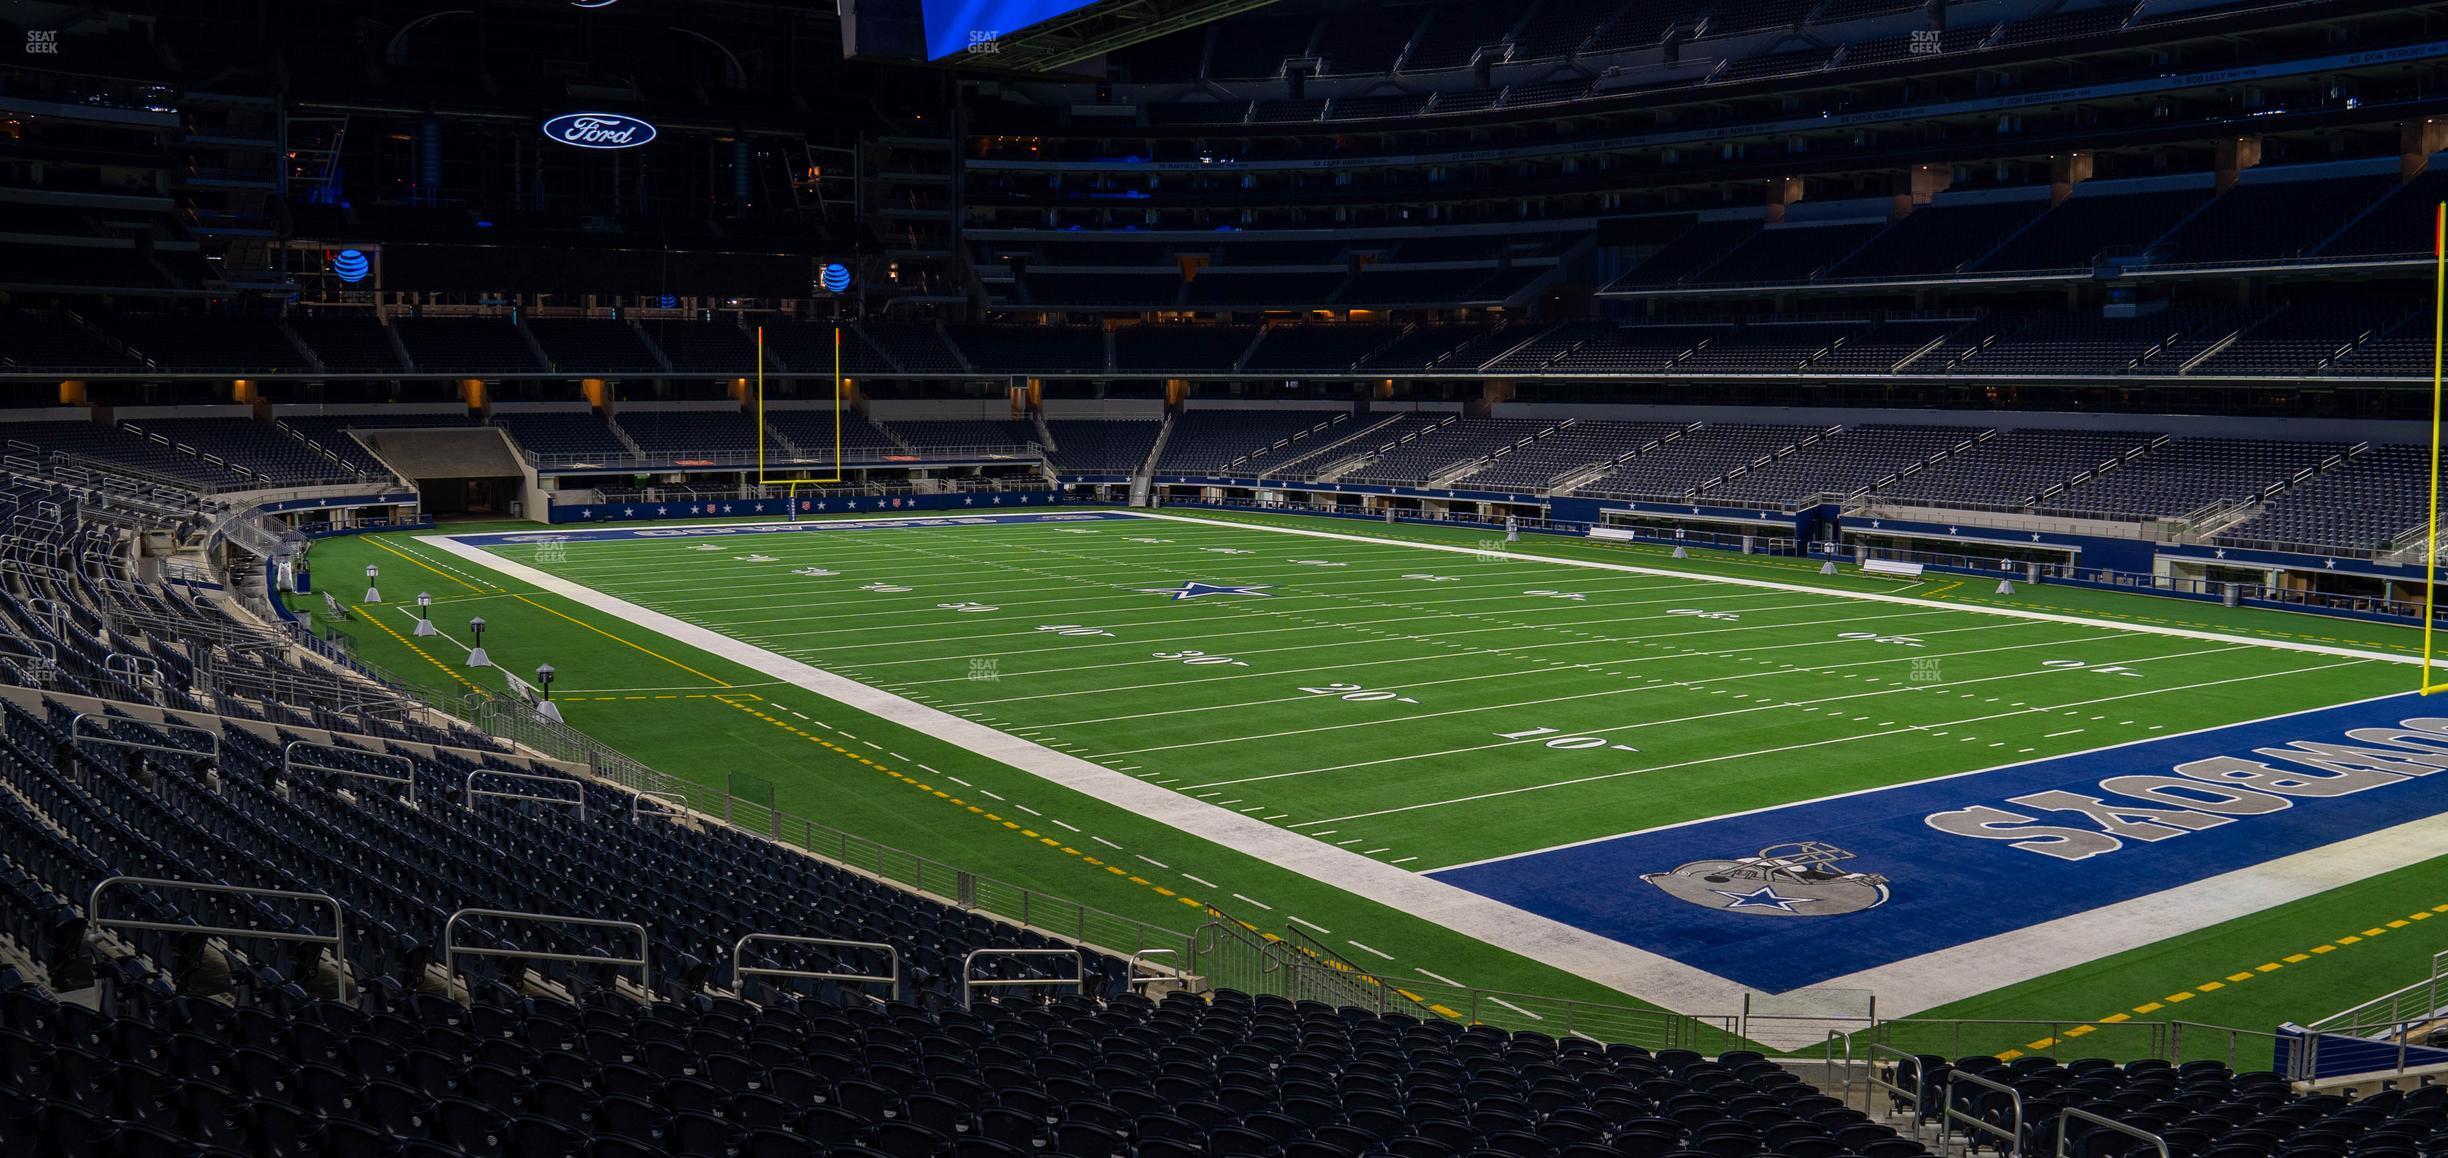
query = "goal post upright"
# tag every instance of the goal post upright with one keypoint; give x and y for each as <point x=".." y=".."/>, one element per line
<point x="764" y="469"/>
<point x="2439" y="321"/>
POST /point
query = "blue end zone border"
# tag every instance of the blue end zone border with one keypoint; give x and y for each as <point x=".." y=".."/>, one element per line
<point x="2059" y="842"/>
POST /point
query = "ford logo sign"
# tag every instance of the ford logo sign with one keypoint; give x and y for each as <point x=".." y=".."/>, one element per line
<point x="599" y="130"/>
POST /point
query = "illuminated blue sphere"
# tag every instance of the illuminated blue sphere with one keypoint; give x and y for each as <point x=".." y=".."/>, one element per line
<point x="351" y="266"/>
<point x="836" y="277"/>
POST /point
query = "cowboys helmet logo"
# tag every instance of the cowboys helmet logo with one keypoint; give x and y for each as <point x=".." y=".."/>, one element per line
<point x="1798" y="879"/>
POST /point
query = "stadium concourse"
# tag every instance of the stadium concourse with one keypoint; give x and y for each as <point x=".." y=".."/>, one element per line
<point x="1596" y="578"/>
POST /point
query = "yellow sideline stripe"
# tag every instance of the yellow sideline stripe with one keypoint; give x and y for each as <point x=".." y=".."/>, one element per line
<point x="1031" y="836"/>
<point x="617" y="639"/>
<point x="427" y="656"/>
<point x="422" y="563"/>
<point x="2236" y="978"/>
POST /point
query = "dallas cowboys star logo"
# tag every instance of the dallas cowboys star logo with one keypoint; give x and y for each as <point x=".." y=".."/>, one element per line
<point x="1765" y="897"/>
<point x="1195" y="589"/>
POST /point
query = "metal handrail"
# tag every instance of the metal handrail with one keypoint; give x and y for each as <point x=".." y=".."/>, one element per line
<point x="289" y="762"/>
<point x="1946" y="1126"/>
<point x="452" y="950"/>
<point x="1907" y="1095"/>
<point x="471" y="792"/>
<point x="81" y="717"/>
<point x="639" y="811"/>
<point x="970" y="981"/>
<point x="338" y="940"/>
<point x="1141" y="958"/>
<point x="2085" y="1115"/>
<point x="891" y="980"/>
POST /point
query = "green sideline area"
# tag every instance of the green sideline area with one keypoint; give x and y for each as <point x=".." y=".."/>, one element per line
<point x="1395" y="702"/>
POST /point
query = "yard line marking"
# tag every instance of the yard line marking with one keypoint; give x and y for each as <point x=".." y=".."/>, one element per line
<point x="1312" y="924"/>
<point x="1888" y="787"/>
<point x="1765" y="706"/>
<point x="1553" y="668"/>
<point x="1859" y="596"/>
<point x="1516" y="1009"/>
<point x="1201" y="880"/>
<point x="1433" y="975"/>
<point x="1643" y="974"/>
<point x="1306" y="624"/>
<point x="1072" y="827"/>
<point x="1786" y="748"/>
<point x="1366" y="949"/>
<point x="1147" y="858"/>
<point x="1653" y="683"/>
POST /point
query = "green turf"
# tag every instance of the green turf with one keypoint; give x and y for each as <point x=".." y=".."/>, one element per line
<point x="1432" y="709"/>
<point x="1725" y="714"/>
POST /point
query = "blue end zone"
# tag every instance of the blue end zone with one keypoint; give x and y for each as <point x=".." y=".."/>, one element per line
<point x="718" y="530"/>
<point x="1947" y="889"/>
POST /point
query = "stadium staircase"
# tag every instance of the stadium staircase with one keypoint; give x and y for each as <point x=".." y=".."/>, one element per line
<point x="1281" y="443"/>
<point x="1143" y="477"/>
<point x="1570" y="482"/>
<point x="1322" y="453"/>
<point x="653" y="347"/>
<point x="960" y="356"/>
<point x="1447" y="476"/>
<point x="399" y="349"/>
<point x="1780" y="453"/>
<point x="298" y="343"/>
<point x="635" y="451"/>
<point x="535" y="348"/>
<point x="1341" y="467"/>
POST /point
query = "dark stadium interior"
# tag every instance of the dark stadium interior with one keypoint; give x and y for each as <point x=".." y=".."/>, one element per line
<point x="2156" y="272"/>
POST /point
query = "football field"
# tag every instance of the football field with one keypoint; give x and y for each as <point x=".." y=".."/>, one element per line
<point x="1574" y="754"/>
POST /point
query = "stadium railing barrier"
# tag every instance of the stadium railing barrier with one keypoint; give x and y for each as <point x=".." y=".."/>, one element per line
<point x="1641" y="533"/>
<point x="2387" y="1034"/>
<point x="2006" y="1137"/>
<point x="2245" y="594"/>
<point x="2070" y="1115"/>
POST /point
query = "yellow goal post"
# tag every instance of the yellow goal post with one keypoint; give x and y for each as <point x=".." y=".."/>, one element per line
<point x="765" y="476"/>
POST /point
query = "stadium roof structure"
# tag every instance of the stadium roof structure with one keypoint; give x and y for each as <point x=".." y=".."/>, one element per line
<point x="1095" y="29"/>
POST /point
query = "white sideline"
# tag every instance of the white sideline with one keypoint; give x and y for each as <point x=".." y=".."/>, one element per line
<point x="1905" y="987"/>
<point x="1659" y="980"/>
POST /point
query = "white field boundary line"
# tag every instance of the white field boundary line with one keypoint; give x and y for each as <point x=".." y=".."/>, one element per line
<point x="1239" y="652"/>
<point x="1862" y="596"/>
<point x="1121" y="602"/>
<point x="1444" y="652"/>
<point x="1766" y="705"/>
<point x="1976" y="967"/>
<point x="1765" y="808"/>
<point x="686" y="574"/>
<point x="1908" y="986"/>
<point x="1545" y="667"/>
<point x="1647" y="976"/>
<point x="1901" y="729"/>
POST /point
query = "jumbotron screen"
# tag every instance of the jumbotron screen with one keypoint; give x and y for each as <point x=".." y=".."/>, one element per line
<point x="941" y="29"/>
<point x="954" y="27"/>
